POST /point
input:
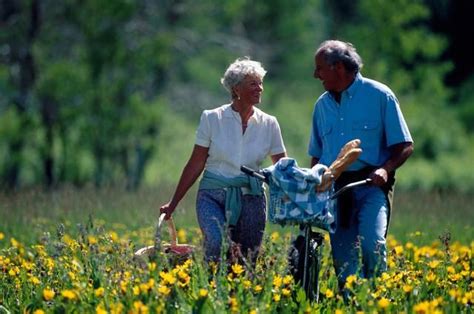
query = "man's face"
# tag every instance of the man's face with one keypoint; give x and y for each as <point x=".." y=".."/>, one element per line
<point x="328" y="74"/>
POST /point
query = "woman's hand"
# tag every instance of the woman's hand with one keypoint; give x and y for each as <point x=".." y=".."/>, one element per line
<point x="168" y="209"/>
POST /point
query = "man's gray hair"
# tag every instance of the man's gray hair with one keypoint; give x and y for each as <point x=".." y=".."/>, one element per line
<point x="239" y="69"/>
<point x="335" y="51"/>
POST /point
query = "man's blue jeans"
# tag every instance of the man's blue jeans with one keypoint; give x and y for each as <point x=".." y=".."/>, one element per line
<point x="361" y="248"/>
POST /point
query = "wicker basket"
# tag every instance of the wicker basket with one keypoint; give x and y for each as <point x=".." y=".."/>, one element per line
<point x="172" y="248"/>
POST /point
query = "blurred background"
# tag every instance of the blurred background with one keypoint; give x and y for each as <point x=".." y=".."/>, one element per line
<point x="109" y="93"/>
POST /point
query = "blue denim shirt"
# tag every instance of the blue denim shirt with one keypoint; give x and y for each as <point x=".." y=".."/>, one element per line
<point x="369" y="111"/>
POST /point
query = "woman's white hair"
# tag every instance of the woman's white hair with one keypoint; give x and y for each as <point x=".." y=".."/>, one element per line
<point x="239" y="69"/>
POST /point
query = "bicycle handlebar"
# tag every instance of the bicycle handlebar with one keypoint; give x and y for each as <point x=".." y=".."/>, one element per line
<point x="350" y="186"/>
<point x="253" y="173"/>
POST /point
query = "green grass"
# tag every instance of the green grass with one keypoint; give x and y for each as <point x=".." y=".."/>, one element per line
<point x="424" y="215"/>
<point x="72" y="251"/>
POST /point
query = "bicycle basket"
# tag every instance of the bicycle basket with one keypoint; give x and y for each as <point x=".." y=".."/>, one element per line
<point x="293" y="198"/>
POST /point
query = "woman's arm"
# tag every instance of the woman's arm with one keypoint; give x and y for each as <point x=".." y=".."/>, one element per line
<point x="190" y="174"/>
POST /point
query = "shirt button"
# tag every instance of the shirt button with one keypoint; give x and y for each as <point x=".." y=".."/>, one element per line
<point x="342" y="119"/>
<point x="342" y="133"/>
<point x="365" y="127"/>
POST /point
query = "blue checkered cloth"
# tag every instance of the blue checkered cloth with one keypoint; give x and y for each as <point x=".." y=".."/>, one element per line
<point x="293" y="197"/>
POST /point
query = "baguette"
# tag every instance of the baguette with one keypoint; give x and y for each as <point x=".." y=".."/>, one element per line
<point x="348" y="154"/>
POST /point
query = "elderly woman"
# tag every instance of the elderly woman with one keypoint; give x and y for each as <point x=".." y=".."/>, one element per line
<point x="235" y="134"/>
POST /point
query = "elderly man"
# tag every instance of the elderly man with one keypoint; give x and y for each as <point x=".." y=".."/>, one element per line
<point x="354" y="107"/>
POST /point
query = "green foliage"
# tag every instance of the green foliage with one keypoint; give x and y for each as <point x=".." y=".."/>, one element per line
<point x="112" y="91"/>
<point x="465" y="98"/>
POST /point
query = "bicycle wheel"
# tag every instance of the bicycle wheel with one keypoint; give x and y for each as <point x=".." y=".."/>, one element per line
<point x="312" y="263"/>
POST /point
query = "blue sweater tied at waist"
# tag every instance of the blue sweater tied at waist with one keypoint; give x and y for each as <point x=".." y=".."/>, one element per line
<point x="233" y="200"/>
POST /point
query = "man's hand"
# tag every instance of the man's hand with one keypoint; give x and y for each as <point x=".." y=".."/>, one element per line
<point x="379" y="176"/>
<point x="400" y="152"/>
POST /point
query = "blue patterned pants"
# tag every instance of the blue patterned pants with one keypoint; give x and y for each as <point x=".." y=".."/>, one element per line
<point x="248" y="232"/>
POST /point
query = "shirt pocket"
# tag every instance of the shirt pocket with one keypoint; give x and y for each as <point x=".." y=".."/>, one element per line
<point x="326" y="137"/>
<point x="368" y="131"/>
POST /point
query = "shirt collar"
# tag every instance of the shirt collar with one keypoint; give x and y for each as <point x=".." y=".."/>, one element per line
<point x="352" y="89"/>
<point x="229" y="113"/>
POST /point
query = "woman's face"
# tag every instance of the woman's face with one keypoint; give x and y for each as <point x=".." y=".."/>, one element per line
<point x="250" y="89"/>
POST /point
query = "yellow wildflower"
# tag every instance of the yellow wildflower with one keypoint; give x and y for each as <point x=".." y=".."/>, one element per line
<point x="203" y="293"/>
<point x="181" y="235"/>
<point x="123" y="286"/>
<point x="275" y="236"/>
<point x="450" y="269"/>
<point x="183" y="282"/>
<point x="152" y="266"/>
<point x="48" y="294"/>
<point x="286" y="292"/>
<point x="258" y="288"/>
<point x="329" y="293"/>
<point x="99" y="292"/>
<point x="34" y="280"/>
<point x="113" y="236"/>
<point x="140" y="307"/>
<point x="2" y="236"/>
<point x="164" y="290"/>
<point x="69" y="294"/>
<point x="247" y="283"/>
<point x="350" y="280"/>
<point x="383" y="303"/>
<point x="398" y="250"/>
<point x="100" y="309"/>
<point x="237" y="269"/>
<point x="92" y="239"/>
<point x="433" y="264"/>
<point x="431" y="277"/>
<point x="39" y="311"/>
<point x="276" y="297"/>
<point x="136" y="290"/>
<point x="407" y="288"/>
<point x="288" y="279"/>
<point x="277" y="281"/>
<point x="168" y="278"/>
<point x="14" y="243"/>
<point x="233" y="304"/>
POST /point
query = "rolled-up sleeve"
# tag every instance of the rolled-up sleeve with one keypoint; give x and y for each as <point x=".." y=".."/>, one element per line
<point x="203" y="133"/>
<point x="277" y="146"/>
<point x="396" y="129"/>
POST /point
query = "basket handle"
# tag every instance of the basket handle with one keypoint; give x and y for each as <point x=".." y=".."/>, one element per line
<point x="171" y="230"/>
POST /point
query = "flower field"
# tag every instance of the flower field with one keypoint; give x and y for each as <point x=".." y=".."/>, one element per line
<point x="89" y="268"/>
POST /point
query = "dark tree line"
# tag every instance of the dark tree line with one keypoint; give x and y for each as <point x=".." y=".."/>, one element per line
<point x="85" y="85"/>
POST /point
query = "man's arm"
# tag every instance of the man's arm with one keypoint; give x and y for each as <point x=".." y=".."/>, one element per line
<point x="277" y="157"/>
<point x="399" y="154"/>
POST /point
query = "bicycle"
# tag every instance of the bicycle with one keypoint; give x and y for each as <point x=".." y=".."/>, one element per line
<point x="305" y="252"/>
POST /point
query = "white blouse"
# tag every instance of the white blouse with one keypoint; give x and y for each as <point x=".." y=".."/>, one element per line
<point x="220" y="129"/>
